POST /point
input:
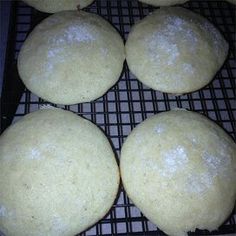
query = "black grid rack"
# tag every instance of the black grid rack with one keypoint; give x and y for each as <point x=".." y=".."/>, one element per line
<point x="129" y="102"/>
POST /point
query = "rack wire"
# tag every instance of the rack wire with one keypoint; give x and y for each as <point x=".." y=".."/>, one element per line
<point x="129" y="102"/>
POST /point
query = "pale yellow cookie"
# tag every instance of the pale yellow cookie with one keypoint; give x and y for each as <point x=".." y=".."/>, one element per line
<point x="71" y="57"/>
<point x="174" y="50"/>
<point x="179" y="169"/>
<point x="58" y="175"/>
<point x="52" y="6"/>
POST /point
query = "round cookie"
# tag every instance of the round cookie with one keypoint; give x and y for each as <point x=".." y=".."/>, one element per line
<point x="52" y="6"/>
<point x="58" y="175"/>
<point x="178" y="168"/>
<point x="174" y="50"/>
<point x="163" y="2"/>
<point x="71" y="57"/>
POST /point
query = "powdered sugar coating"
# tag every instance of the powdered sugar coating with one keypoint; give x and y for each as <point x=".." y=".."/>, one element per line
<point x="216" y="38"/>
<point x="75" y="33"/>
<point x="188" y="68"/>
<point x="160" y="128"/>
<point x="174" y="160"/>
<point x="35" y="153"/>
<point x="215" y="166"/>
<point x="3" y="211"/>
<point x="198" y="184"/>
<point x="158" y="42"/>
<point x="58" y="225"/>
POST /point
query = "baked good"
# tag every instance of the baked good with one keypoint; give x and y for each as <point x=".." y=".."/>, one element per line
<point x="178" y="168"/>
<point x="163" y="2"/>
<point x="58" y="175"/>
<point x="71" y="57"/>
<point x="52" y="6"/>
<point x="174" y="50"/>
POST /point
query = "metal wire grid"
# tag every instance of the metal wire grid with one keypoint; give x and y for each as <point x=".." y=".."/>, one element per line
<point x="129" y="102"/>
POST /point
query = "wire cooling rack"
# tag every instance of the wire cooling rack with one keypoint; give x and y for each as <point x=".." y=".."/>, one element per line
<point x="128" y="102"/>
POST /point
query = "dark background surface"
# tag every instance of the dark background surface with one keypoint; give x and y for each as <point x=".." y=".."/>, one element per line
<point x="5" y="13"/>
